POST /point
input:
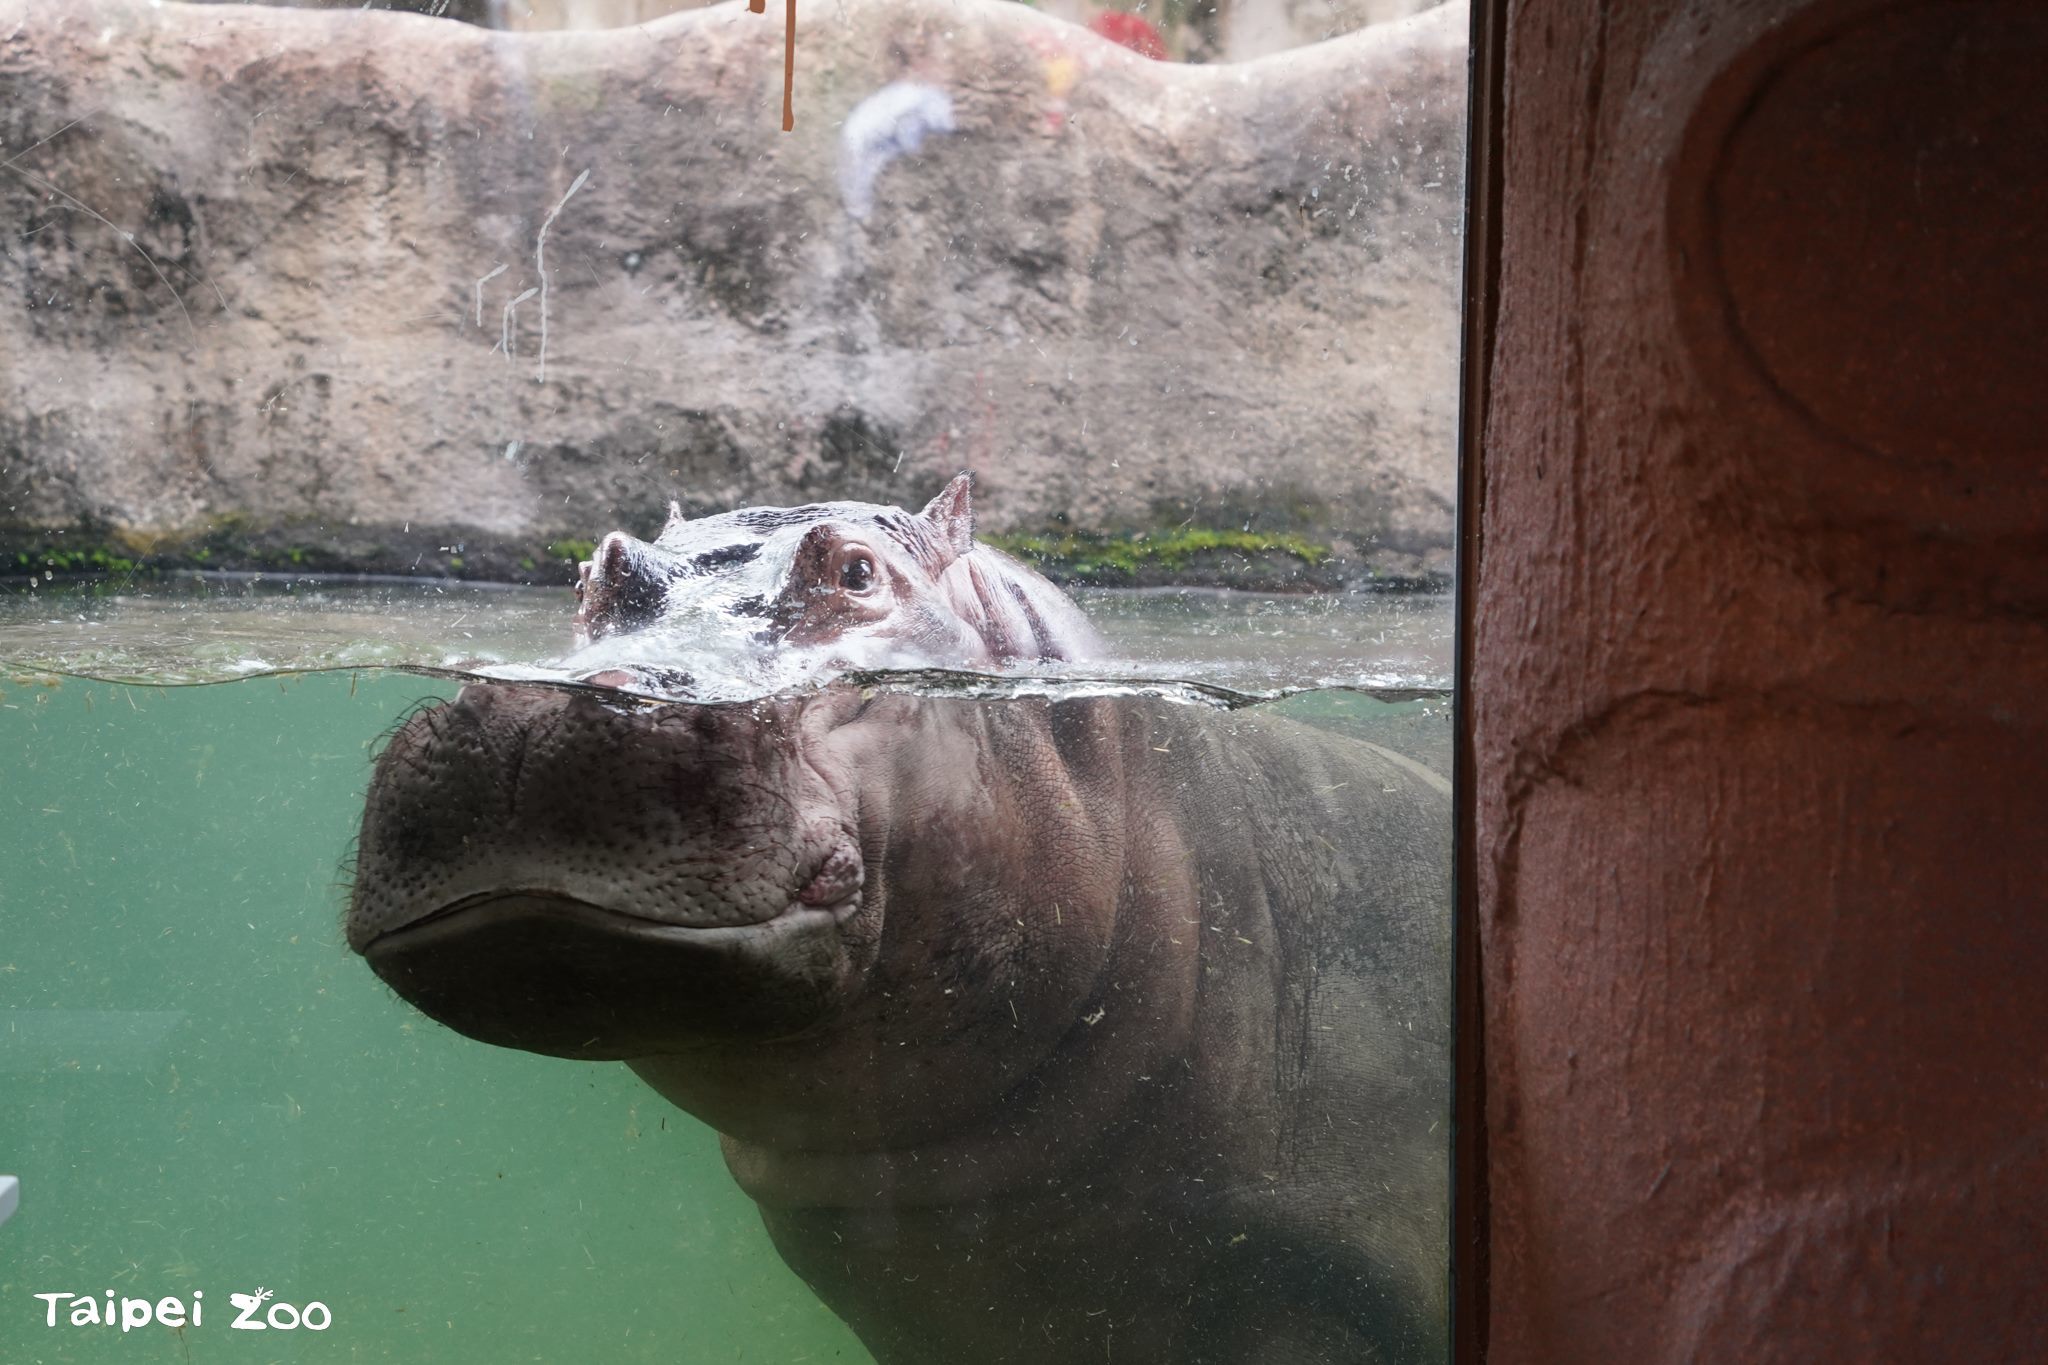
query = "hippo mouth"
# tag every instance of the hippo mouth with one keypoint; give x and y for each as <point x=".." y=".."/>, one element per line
<point x="546" y="972"/>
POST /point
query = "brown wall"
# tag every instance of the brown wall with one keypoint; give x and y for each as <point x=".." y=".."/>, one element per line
<point x="1756" y="682"/>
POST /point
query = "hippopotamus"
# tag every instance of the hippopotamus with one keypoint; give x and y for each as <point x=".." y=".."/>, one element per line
<point x="766" y="597"/>
<point x="1056" y="1028"/>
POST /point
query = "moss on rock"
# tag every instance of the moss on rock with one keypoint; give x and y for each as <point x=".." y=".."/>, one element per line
<point x="1182" y="556"/>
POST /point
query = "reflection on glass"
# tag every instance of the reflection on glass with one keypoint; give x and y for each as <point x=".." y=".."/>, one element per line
<point x="1019" y="895"/>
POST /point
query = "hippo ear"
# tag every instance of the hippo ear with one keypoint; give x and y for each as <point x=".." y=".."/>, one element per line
<point x="951" y="516"/>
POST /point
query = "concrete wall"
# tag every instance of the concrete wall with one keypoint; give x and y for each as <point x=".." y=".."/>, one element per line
<point x="1761" y="642"/>
<point x="284" y="268"/>
<point x="1208" y="30"/>
<point x="1219" y="30"/>
<point x="542" y="14"/>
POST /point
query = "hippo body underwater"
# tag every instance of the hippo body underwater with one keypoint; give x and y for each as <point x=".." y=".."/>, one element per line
<point x="1050" y="1029"/>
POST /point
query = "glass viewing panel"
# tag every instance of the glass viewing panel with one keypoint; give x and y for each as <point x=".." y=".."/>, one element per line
<point x="629" y="735"/>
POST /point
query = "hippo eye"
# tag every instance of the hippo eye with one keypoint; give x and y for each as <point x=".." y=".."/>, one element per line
<point x="858" y="575"/>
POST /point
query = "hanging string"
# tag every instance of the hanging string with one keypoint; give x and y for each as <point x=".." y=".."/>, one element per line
<point x="788" y="59"/>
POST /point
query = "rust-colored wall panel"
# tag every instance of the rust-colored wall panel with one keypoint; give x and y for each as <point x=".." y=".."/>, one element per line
<point x="1759" y="654"/>
<point x="1835" y="218"/>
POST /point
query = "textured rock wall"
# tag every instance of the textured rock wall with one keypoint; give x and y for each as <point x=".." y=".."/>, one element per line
<point x="394" y="284"/>
<point x="490" y="13"/>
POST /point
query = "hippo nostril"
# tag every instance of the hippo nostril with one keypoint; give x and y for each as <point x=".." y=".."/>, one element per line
<point x="625" y="587"/>
<point x="837" y="880"/>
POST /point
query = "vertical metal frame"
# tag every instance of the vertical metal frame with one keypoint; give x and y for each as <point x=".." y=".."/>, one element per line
<point x="1480" y="303"/>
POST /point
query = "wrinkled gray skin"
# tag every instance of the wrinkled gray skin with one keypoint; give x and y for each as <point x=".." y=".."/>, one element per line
<point x="1042" y="1031"/>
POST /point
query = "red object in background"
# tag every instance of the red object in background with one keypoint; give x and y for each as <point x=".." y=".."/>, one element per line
<point x="1128" y="30"/>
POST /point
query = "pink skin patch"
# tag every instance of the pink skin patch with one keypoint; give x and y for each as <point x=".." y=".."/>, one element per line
<point x="837" y="880"/>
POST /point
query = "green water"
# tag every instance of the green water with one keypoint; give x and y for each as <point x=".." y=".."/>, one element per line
<point x="201" y="1089"/>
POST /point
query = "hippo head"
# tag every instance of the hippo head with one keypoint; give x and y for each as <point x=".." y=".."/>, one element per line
<point x="553" y="871"/>
<point x="765" y="598"/>
<point x="586" y="873"/>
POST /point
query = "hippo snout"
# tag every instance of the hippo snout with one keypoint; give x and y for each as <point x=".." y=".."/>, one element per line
<point x="555" y="871"/>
